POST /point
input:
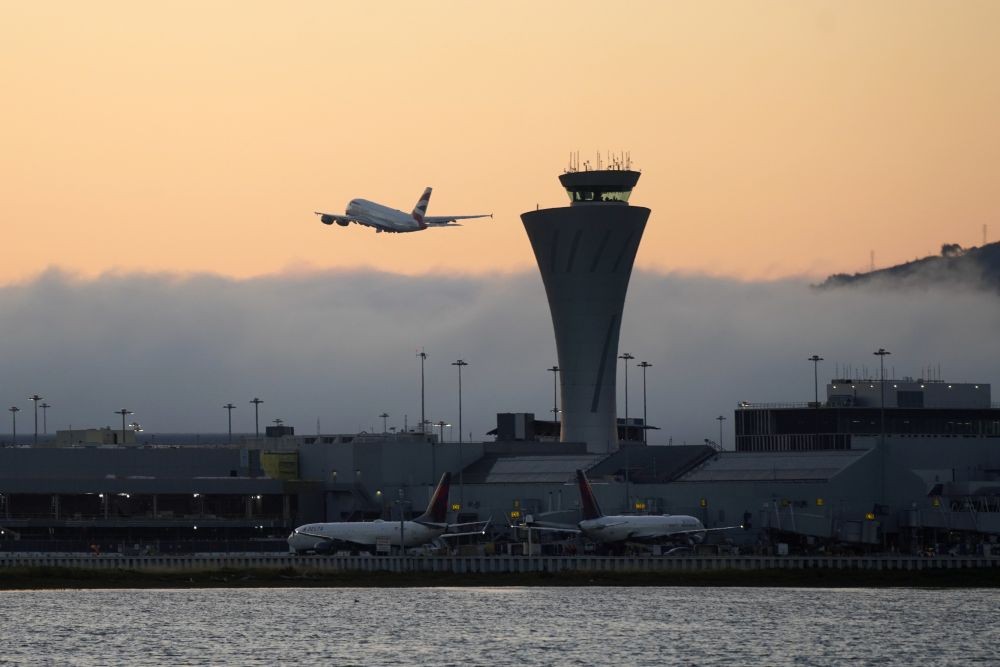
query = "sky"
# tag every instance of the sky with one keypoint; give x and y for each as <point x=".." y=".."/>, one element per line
<point x="776" y="139"/>
<point x="160" y="165"/>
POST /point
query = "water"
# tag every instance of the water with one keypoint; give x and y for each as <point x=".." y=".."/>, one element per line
<point x="500" y="626"/>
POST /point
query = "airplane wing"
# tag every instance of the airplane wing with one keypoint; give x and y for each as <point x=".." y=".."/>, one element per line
<point x="443" y="220"/>
<point x="481" y="531"/>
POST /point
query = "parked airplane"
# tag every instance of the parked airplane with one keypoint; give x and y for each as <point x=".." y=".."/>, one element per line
<point x="432" y="524"/>
<point x="609" y="529"/>
<point x="385" y="219"/>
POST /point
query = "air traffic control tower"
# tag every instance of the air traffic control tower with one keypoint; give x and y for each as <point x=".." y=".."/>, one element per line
<point x="585" y="253"/>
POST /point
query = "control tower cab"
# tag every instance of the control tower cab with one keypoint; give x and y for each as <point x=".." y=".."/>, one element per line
<point x="585" y="253"/>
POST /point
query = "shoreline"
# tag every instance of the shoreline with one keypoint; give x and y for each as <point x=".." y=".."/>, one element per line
<point x="60" y="578"/>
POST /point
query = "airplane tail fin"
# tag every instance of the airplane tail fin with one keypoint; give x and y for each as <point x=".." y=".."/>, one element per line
<point x="588" y="501"/>
<point x="421" y="208"/>
<point x="437" y="509"/>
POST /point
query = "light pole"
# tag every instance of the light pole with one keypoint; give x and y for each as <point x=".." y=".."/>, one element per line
<point x="256" y="421"/>
<point x="123" y="412"/>
<point x="645" y="424"/>
<point x="423" y="417"/>
<point x="816" y="359"/>
<point x="35" y="398"/>
<point x="441" y="424"/>
<point x="555" y="382"/>
<point x="881" y="353"/>
<point x="229" y="407"/>
<point x="461" y="461"/>
<point x="402" y="522"/>
<point x="45" y="420"/>
<point x="384" y="416"/>
<point x="626" y="357"/>
<point x="13" y="423"/>
<point x="721" y="419"/>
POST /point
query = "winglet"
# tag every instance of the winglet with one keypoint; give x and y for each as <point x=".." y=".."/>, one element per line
<point x="421" y="208"/>
<point x="588" y="502"/>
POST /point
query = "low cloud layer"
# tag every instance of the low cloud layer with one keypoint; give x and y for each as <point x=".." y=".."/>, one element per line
<point x="340" y="347"/>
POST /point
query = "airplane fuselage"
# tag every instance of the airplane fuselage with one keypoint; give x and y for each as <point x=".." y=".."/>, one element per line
<point x="641" y="528"/>
<point x="382" y="217"/>
<point x="363" y="534"/>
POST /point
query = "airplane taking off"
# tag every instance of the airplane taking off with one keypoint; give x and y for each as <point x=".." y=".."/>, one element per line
<point x="385" y="219"/>
<point x="608" y="529"/>
<point x="330" y="537"/>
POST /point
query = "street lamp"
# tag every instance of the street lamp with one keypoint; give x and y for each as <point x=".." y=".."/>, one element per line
<point x="461" y="462"/>
<point x="645" y="424"/>
<point x="401" y="502"/>
<point x="229" y="407"/>
<point x="441" y="424"/>
<point x="626" y="357"/>
<point x="123" y="412"/>
<point x="13" y="423"/>
<point x="256" y="421"/>
<point x="555" y="380"/>
<point x="384" y="416"/>
<point x="881" y="353"/>
<point x="45" y="421"/>
<point x="35" y="398"/>
<point x="423" y="417"/>
<point x="816" y="359"/>
<point x="721" y="419"/>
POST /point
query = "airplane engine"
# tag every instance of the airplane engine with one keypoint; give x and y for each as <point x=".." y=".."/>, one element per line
<point x="326" y="219"/>
<point x="343" y="223"/>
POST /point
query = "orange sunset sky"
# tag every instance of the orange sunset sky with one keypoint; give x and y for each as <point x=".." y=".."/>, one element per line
<point x="775" y="138"/>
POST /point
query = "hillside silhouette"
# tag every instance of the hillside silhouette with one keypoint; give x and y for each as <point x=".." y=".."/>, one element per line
<point x="977" y="267"/>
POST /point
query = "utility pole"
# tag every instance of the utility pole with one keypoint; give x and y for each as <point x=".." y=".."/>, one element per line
<point x="229" y="407"/>
<point x="35" y="398"/>
<point x="721" y="419"/>
<point x="815" y="359"/>
<point x="645" y="424"/>
<point x="256" y="417"/>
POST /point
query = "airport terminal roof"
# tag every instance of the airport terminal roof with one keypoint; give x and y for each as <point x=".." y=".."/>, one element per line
<point x="651" y="465"/>
<point x="535" y="469"/>
<point x="776" y="466"/>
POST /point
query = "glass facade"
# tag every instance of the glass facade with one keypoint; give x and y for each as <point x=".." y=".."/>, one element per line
<point x="597" y="195"/>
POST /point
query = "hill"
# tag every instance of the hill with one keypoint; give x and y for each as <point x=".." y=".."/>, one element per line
<point x="967" y="267"/>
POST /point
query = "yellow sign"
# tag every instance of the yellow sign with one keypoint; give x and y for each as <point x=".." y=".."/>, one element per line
<point x="515" y="514"/>
<point x="936" y="502"/>
<point x="819" y="502"/>
<point x="703" y="502"/>
<point x="639" y="505"/>
<point x="870" y="516"/>
<point x="455" y="507"/>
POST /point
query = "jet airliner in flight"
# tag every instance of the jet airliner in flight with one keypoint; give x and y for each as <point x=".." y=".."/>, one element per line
<point x="385" y="219"/>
